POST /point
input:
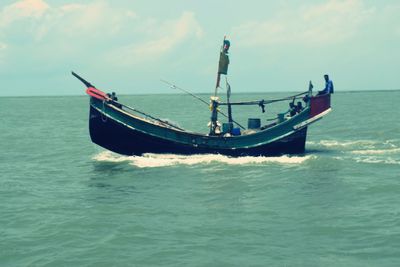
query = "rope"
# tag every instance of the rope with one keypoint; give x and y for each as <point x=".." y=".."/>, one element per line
<point x="264" y="102"/>
<point x="151" y="117"/>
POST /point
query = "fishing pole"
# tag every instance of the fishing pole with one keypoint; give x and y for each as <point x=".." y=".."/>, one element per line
<point x="173" y="86"/>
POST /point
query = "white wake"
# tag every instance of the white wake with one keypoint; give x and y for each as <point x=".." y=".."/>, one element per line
<point x="163" y="160"/>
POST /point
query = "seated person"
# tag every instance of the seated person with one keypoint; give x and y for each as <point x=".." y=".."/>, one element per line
<point x="292" y="109"/>
<point x="299" y="107"/>
<point x="113" y="99"/>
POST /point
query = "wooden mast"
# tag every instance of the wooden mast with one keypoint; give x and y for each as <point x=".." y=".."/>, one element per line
<point x="214" y="101"/>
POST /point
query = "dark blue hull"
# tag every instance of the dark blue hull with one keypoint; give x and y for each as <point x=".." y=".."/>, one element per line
<point x="122" y="136"/>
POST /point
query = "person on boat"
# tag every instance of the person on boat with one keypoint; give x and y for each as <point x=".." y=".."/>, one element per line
<point x="292" y="109"/>
<point x="328" y="86"/>
<point x="299" y="107"/>
<point x="113" y="98"/>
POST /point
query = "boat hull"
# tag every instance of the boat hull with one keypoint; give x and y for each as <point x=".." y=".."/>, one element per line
<point x="122" y="138"/>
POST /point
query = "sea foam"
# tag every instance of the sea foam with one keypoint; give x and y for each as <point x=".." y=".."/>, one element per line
<point x="358" y="143"/>
<point x="163" y="160"/>
<point x="376" y="160"/>
<point x="376" y="151"/>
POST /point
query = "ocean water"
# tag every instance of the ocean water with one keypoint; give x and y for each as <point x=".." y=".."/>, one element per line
<point x="66" y="202"/>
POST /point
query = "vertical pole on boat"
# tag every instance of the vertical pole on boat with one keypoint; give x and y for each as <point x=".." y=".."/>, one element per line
<point x="214" y="115"/>
<point x="309" y="95"/>
<point x="228" y="95"/>
<point x="222" y="69"/>
<point x="217" y="84"/>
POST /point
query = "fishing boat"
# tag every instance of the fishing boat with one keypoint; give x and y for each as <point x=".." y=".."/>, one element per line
<point x="126" y="130"/>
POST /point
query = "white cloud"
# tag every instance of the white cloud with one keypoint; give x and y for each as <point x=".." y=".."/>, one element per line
<point x="22" y="10"/>
<point x="330" y="22"/>
<point x="80" y="29"/>
<point x="40" y="20"/>
<point x="96" y="20"/>
<point x="92" y="18"/>
<point x="161" y="37"/>
<point x="169" y="34"/>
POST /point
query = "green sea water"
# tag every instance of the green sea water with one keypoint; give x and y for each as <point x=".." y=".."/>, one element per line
<point x="66" y="202"/>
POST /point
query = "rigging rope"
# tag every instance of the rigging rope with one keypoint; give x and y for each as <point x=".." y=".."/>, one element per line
<point x="264" y="102"/>
<point x="145" y="114"/>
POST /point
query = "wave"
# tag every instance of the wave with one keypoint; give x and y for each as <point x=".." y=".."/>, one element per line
<point x="364" y="147"/>
<point x="370" y="160"/>
<point x="164" y="160"/>
<point x="376" y="151"/>
<point x="375" y="160"/>
<point x="336" y="143"/>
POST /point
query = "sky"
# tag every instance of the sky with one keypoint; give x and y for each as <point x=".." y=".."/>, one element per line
<point x="127" y="46"/>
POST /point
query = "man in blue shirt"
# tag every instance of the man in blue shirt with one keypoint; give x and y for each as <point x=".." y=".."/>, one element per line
<point x="328" y="86"/>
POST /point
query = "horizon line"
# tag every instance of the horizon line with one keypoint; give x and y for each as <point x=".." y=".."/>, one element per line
<point x="177" y="93"/>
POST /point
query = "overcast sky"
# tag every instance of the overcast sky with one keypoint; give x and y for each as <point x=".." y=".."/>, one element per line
<point x="128" y="46"/>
